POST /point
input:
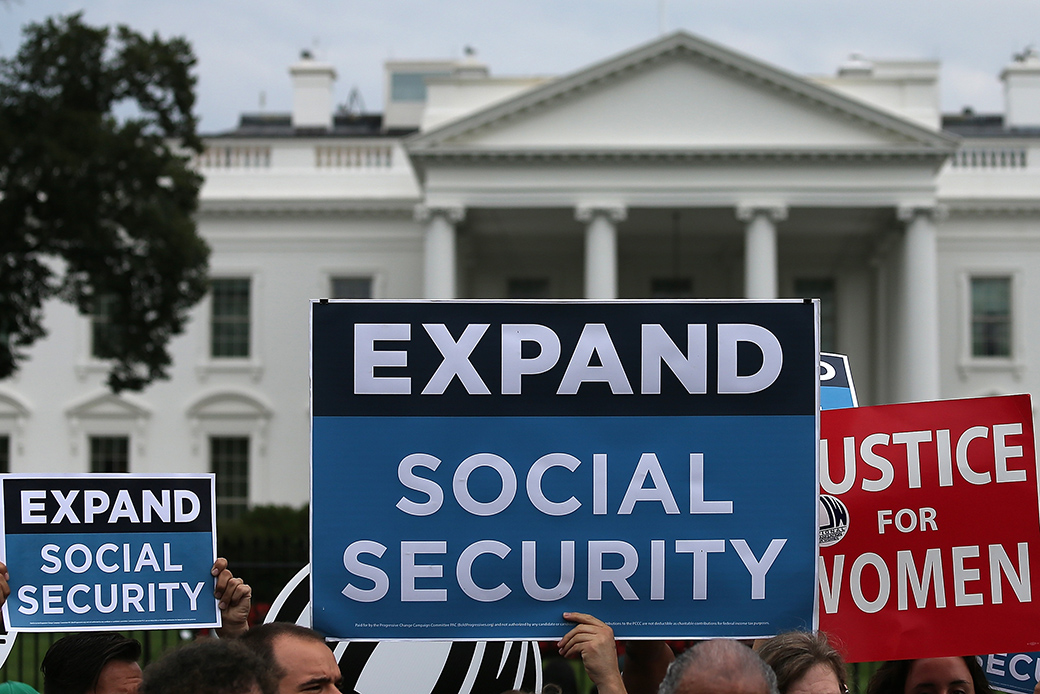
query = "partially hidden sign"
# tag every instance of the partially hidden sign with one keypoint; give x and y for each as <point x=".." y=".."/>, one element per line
<point x="109" y="551"/>
<point x="933" y="542"/>
<point x="479" y="468"/>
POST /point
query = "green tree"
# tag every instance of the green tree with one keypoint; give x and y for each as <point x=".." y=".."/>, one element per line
<point x="96" y="191"/>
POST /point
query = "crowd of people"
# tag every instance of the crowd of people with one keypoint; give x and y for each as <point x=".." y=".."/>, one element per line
<point x="284" y="658"/>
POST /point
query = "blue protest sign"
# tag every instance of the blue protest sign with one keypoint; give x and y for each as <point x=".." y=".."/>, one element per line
<point x="836" y="388"/>
<point x="1015" y="673"/>
<point x="478" y="468"/>
<point x="105" y="551"/>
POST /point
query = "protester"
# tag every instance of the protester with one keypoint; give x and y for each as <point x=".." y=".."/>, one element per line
<point x="300" y="659"/>
<point x="719" y="666"/>
<point x="94" y="662"/>
<point x="954" y="675"/>
<point x="805" y="663"/>
<point x="209" y="667"/>
<point x="106" y="662"/>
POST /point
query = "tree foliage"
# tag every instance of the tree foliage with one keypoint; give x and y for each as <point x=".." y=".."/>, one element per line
<point x="96" y="191"/>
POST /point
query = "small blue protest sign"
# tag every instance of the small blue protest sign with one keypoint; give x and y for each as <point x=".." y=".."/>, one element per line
<point x="479" y="468"/>
<point x="1015" y="673"/>
<point x="109" y="551"/>
<point x="836" y="388"/>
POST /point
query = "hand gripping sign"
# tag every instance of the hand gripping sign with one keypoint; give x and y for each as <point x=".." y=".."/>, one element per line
<point x="479" y="468"/>
<point x="932" y="544"/>
<point x="109" y="551"/>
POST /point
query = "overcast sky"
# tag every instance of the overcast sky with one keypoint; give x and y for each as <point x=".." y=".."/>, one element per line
<point x="244" y="47"/>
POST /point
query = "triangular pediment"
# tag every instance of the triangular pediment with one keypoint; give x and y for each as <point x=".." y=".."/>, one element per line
<point x="106" y="405"/>
<point x="680" y="94"/>
<point x="230" y="404"/>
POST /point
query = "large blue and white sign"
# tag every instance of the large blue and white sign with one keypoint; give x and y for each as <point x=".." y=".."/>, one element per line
<point x="109" y="552"/>
<point x="480" y="468"/>
<point x="1015" y="673"/>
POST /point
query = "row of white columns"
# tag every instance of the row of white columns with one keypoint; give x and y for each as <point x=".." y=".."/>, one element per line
<point x="917" y="333"/>
<point x="601" y="263"/>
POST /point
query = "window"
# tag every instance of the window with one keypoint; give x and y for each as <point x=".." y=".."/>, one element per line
<point x="527" y="288"/>
<point x="671" y="288"/>
<point x="105" y="334"/>
<point x="229" y="461"/>
<point x="110" y="454"/>
<point x="823" y="289"/>
<point x="5" y="453"/>
<point x="991" y="316"/>
<point x="229" y="329"/>
<point x="411" y="86"/>
<point x="351" y="288"/>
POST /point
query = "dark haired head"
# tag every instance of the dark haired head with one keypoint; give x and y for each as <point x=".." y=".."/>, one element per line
<point x="261" y="640"/>
<point x="891" y="677"/>
<point x="73" y="663"/>
<point x="209" y="667"/>
<point x="793" y="653"/>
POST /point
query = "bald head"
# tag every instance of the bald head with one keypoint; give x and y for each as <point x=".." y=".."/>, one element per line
<point x="719" y="666"/>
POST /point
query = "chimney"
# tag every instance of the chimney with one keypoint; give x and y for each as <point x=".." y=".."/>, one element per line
<point x="1022" y="90"/>
<point x="312" y="93"/>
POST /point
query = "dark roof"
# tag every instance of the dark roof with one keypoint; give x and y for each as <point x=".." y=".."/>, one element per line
<point x="280" y="125"/>
<point x="971" y="124"/>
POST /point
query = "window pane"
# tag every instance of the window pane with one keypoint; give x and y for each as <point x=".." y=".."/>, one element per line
<point x="823" y="289"/>
<point x="527" y="288"/>
<point x="106" y="336"/>
<point x="351" y="288"/>
<point x="5" y="454"/>
<point x="991" y="316"/>
<point x="110" y="454"/>
<point x="229" y="461"/>
<point x="229" y="335"/>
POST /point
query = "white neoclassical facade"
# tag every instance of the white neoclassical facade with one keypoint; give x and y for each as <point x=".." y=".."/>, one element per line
<point x="679" y="168"/>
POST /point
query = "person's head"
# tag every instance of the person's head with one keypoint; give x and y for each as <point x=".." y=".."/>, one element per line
<point x="209" y="667"/>
<point x="954" y="675"/>
<point x="92" y="663"/>
<point x="719" y="666"/>
<point x="300" y="658"/>
<point x="805" y="663"/>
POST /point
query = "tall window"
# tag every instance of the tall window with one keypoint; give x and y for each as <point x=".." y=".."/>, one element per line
<point x="110" y="454"/>
<point x="105" y="334"/>
<point x="229" y="330"/>
<point x="351" y="288"/>
<point x="229" y="461"/>
<point x="822" y="288"/>
<point x="991" y="316"/>
<point x="5" y="453"/>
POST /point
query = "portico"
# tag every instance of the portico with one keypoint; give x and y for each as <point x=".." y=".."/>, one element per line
<point x="684" y="169"/>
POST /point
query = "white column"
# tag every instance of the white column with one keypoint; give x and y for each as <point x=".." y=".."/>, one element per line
<point x="918" y="349"/>
<point x="760" y="258"/>
<point x="601" y="265"/>
<point x="439" y="249"/>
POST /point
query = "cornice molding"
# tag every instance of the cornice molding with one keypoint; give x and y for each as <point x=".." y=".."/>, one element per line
<point x="463" y="155"/>
<point x="308" y="208"/>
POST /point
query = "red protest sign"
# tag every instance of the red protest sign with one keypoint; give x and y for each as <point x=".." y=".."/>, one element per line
<point x="930" y="529"/>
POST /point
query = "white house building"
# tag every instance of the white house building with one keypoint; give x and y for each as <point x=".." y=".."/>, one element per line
<point x="679" y="168"/>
